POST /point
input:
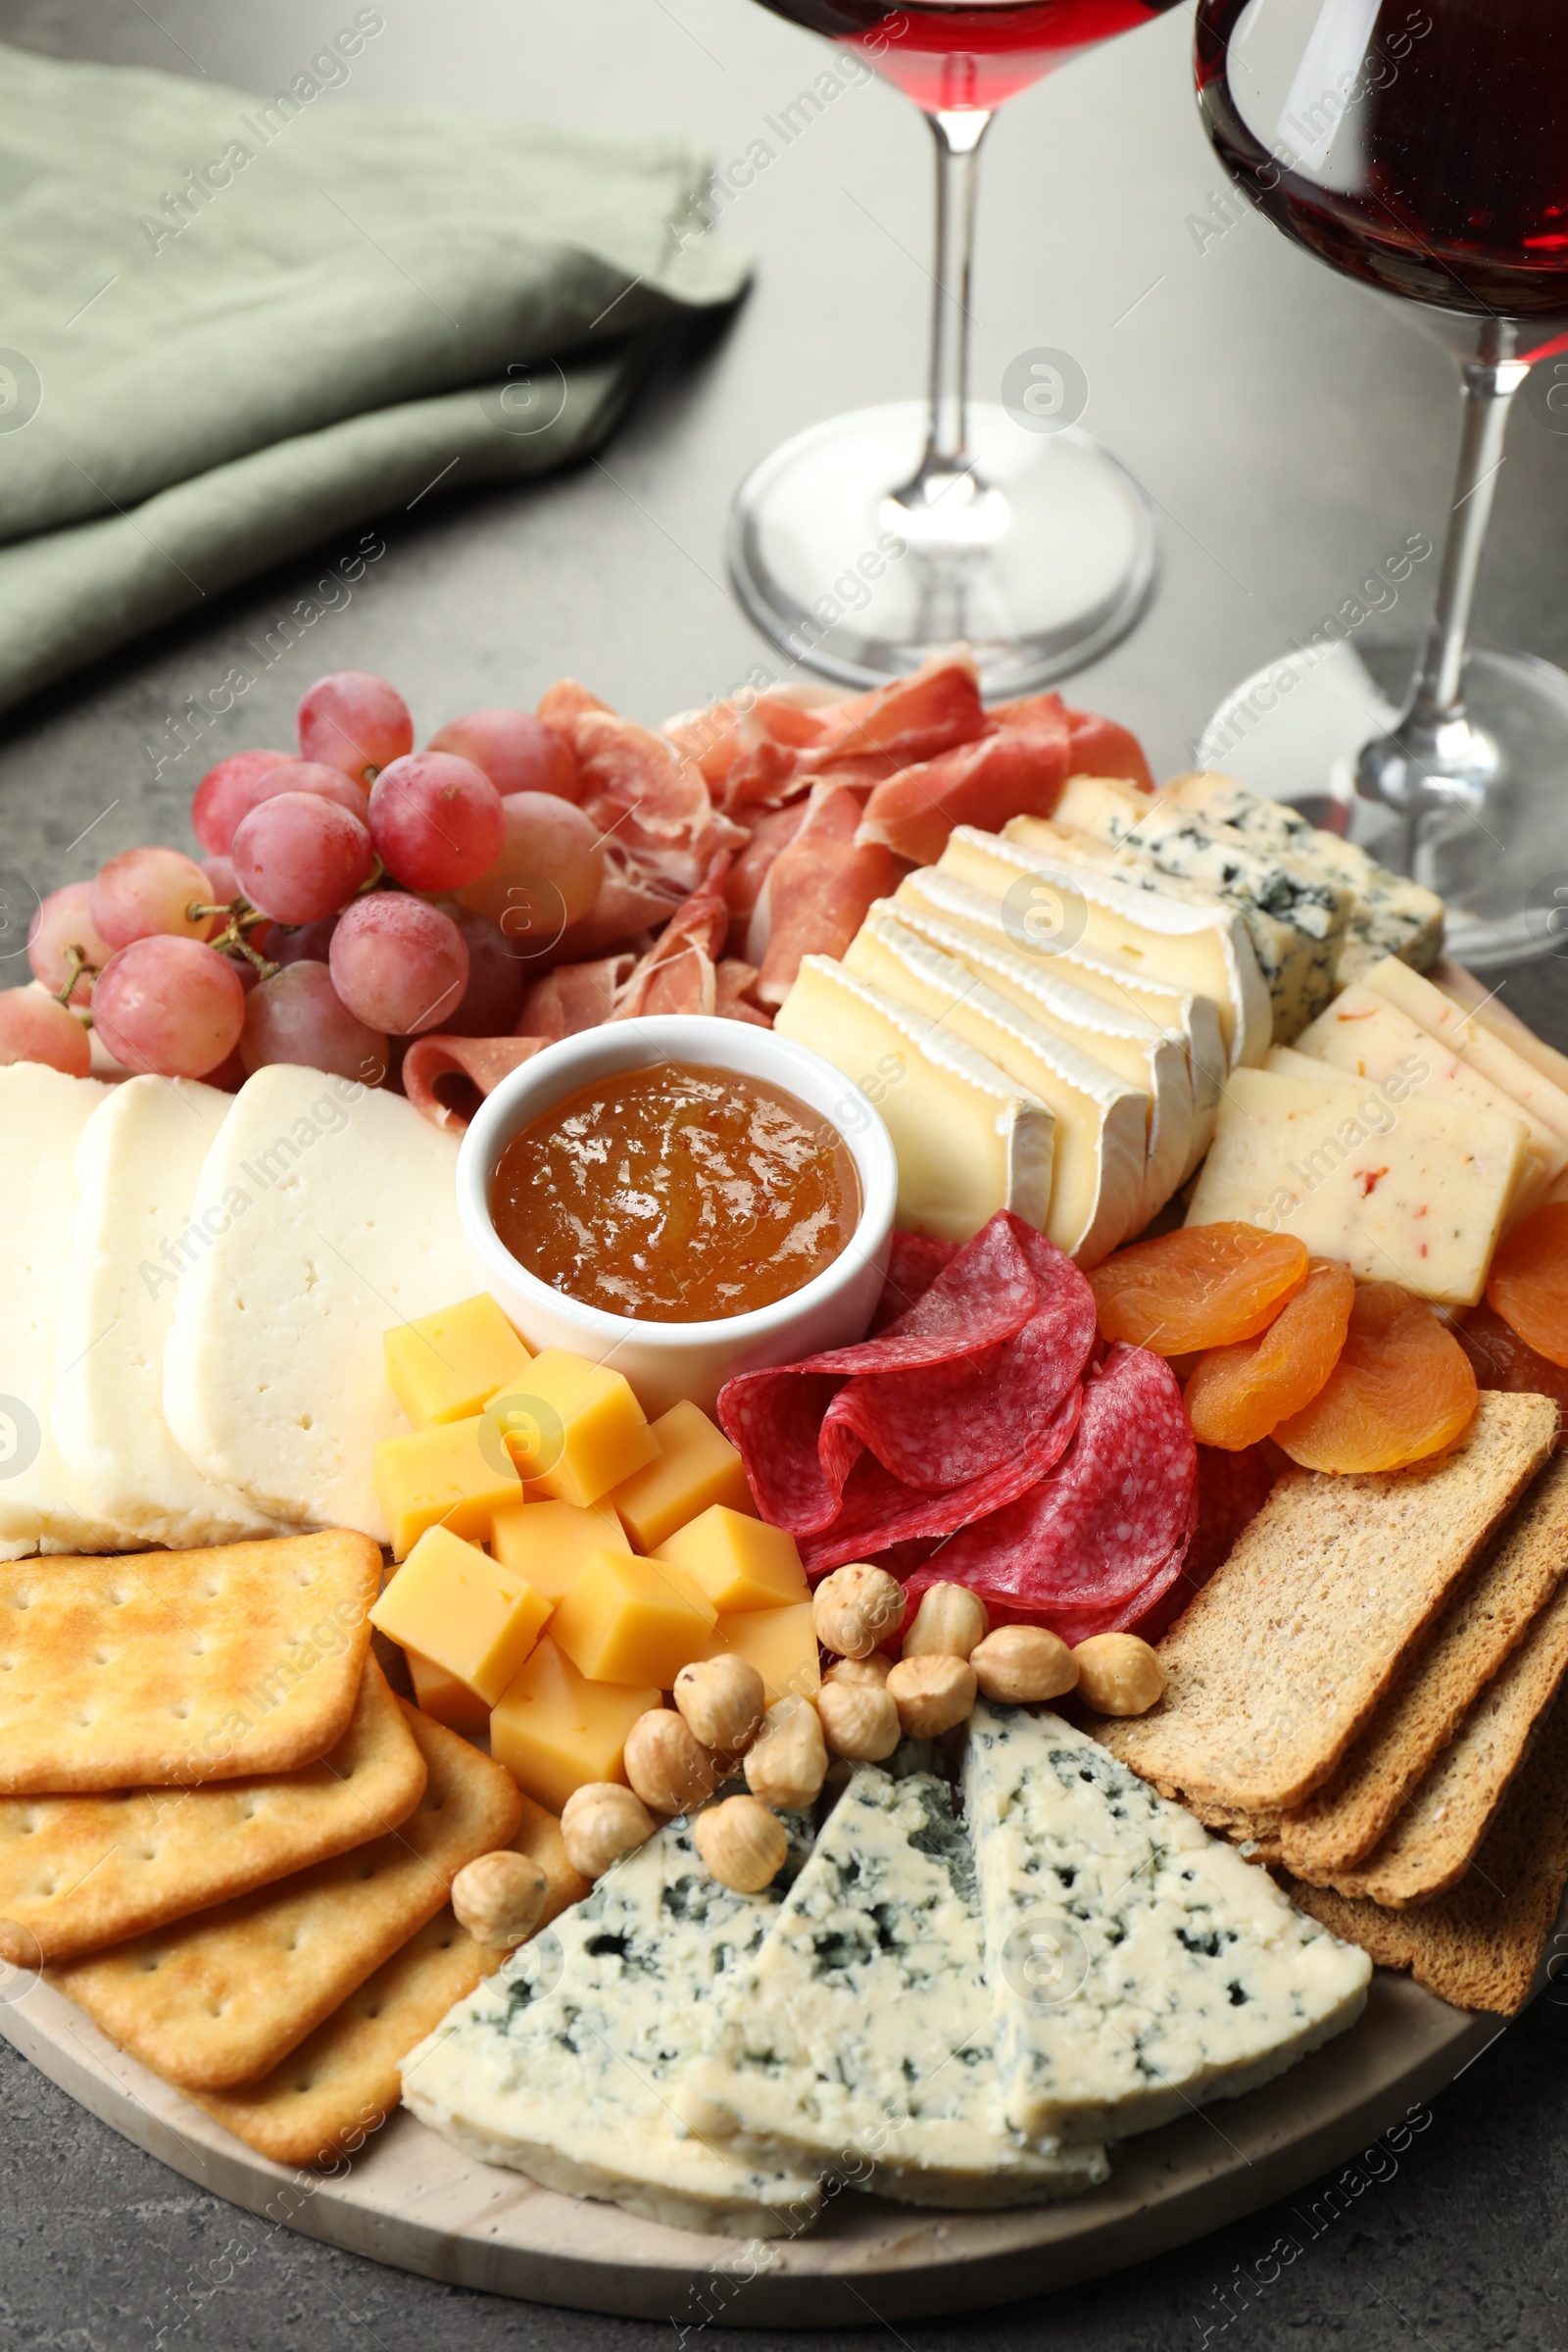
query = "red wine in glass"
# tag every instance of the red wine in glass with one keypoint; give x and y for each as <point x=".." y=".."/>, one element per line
<point x="969" y="55"/>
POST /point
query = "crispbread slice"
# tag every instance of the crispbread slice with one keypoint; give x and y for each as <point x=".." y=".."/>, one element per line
<point x="1480" y="1945"/>
<point x="1491" y="1613"/>
<point x="218" y="1999"/>
<point x="79" y="1872"/>
<point x="169" y="1667"/>
<point x="1281" y="1657"/>
<point x="326" y="2097"/>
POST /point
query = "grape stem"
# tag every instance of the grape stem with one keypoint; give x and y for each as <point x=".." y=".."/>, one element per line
<point x="240" y="916"/>
<point x="77" y="967"/>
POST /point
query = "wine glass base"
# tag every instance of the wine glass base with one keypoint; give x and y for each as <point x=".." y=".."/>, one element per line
<point x="1293" y="731"/>
<point x="1036" y="574"/>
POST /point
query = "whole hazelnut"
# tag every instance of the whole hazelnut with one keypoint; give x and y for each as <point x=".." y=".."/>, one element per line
<point x="1020" y="1663"/>
<point x="853" y="1608"/>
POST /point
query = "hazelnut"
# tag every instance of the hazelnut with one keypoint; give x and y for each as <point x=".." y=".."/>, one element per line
<point x="1118" y="1674"/>
<point x="742" y="1842"/>
<point x="1018" y="1663"/>
<point x="599" y="1823"/>
<point x="858" y="1720"/>
<point x="500" y="1897"/>
<point x="854" y="1607"/>
<point x="874" y="1668"/>
<point x="948" y="1622"/>
<point x="787" y="1765"/>
<point x="722" y="1700"/>
<point x="665" y="1764"/>
<point x="932" y="1693"/>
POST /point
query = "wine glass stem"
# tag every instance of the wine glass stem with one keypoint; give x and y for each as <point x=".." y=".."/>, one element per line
<point x="958" y="134"/>
<point x="1490" y="380"/>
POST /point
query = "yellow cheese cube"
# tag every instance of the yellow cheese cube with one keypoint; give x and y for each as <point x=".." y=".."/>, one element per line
<point x="628" y="1620"/>
<point x="462" y="1610"/>
<point x="549" y="1541"/>
<point x="575" y="1428"/>
<point x="554" y="1731"/>
<point x="740" y="1563"/>
<point x="451" y="1701"/>
<point x="697" y="1466"/>
<point x="442" y="1367"/>
<point x="781" y="1644"/>
<point x="456" y="1474"/>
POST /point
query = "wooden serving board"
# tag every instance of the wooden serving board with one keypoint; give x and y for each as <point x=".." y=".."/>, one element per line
<point x="410" y="2199"/>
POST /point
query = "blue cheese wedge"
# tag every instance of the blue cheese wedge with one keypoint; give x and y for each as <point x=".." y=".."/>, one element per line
<point x="1138" y="1965"/>
<point x="862" y="2034"/>
<point x="566" y="2065"/>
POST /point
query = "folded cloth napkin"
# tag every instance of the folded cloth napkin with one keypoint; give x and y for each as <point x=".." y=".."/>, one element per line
<point x="232" y="326"/>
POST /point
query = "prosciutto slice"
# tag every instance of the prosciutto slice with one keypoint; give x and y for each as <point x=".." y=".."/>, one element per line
<point x="1014" y="772"/>
<point x="447" y="1078"/>
<point x="573" y="998"/>
<point x="653" y="804"/>
<point x="817" y="891"/>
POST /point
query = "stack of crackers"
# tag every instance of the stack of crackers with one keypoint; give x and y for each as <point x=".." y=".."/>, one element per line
<point x="1365" y="1697"/>
<point x="225" y="1836"/>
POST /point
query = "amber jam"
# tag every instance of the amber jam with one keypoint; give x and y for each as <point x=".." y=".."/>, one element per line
<point x="676" y="1194"/>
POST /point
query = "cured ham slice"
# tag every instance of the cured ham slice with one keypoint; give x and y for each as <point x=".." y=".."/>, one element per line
<point x="447" y="1078"/>
<point x="677" y="975"/>
<point x="733" y="983"/>
<point x="630" y="901"/>
<point x="562" y="704"/>
<point x="1014" y="772"/>
<point x="572" y="998"/>
<point x="772" y="832"/>
<point x="912" y="719"/>
<point x="817" y="891"/>
<point x="732" y="739"/>
<point x="653" y="805"/>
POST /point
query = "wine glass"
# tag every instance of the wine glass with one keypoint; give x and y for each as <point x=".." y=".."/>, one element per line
<point x="1424" y="150"/>
<point x="873" y="540"/>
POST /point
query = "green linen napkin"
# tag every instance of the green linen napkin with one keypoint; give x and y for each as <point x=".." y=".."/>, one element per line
<point x="231" y="326"/>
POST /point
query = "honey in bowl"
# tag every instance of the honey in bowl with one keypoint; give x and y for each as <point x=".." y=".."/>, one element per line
<point x="676" y="1194"/>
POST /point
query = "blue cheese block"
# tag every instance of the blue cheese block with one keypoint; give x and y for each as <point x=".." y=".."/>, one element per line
<point x="563" y="2065"/>
<point x="1138" y="1965"/>
<point x="861" y="2041"/>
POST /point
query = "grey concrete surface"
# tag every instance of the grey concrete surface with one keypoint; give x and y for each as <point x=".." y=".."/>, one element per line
<point x="1293" y="432"/>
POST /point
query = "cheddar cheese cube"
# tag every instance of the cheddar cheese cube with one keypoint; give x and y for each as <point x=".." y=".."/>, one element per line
<point x="442" y="1367"/>
<point x="574" y="1428"/>
<point x="696" y="1467"/>
<point x="549" y="1541"/>
<point x="628" y="1620"/>
<point x="554" y="1731"/>
<point x="462" y="1610"/>
<point x="740" y="1563"/>
<point x="456" y="1474"/>
<point x="451" y="1701"/>
<point x="781" y="1644"/>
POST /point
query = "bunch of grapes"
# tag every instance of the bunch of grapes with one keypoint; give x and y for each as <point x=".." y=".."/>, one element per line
<point x="307" y="932"/>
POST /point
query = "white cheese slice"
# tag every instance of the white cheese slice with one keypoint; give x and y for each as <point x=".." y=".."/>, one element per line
<point x="333" y="1215"/>
<point x="1399" y="1190"/>
<point x="861" y="2030"/>
<point x="42" y="1115"/>
<point x="968" y="1139"/>
<point x="1138" y="1965"/>
<point x="138" y="1165"/>
<point x="1480" y="1047"/>
<point x="1205" y="949"/>
<point x="566" y="2065"/>
<point x="1099" y="1168"/>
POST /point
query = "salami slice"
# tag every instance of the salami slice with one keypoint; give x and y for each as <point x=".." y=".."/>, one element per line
<point x="915" y="1261"/>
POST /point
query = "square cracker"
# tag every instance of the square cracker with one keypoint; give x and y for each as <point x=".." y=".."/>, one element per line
<point x="1480" y="1945"/>
<point x="1281" y="1657"/>
<point x="539" y="1837"/>
<point x="326" y="2097"/>
<point x="1489" y="1613"/>
<point x="220" y="1998"/>
<point x="79" y="1872"/>
<point x="169" y="1667"/>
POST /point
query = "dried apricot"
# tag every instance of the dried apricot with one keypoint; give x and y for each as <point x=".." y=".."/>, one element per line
<point x="1504" y="1360"/>
<point x="1202" y="1286"/>
<point x="1402" y="1389"/>
<point x="1238" y="1394"/>
<point x="1528" y="1285"/>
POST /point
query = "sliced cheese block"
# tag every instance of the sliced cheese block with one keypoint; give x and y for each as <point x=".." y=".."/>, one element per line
<point x="1476" y="1044"/>
<point x="42" y="1115"/>
<point x="342" y="1222"/>
<point x="140" y="1218"/>
<point x="1485" y="1007"/>
<point x="970" y="1140"/>
<point x="1361" y="1171"/>
<point x="1203" y="948"/>
<point x="1099" y="1172"/>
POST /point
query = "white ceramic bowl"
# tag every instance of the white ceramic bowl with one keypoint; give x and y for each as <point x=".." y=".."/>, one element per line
<point x="665" y="1361"/>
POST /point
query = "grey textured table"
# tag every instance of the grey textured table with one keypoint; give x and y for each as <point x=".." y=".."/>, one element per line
<point x="1292" y="433"/>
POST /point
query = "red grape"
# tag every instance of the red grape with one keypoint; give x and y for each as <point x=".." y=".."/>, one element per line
<point x="34" y="1028"/>
<point x="144" y="894"/>
<point x="546" y="875"/>
<point x="493" y="998"/>
<point x="59" y="921"/>
<point x="517" y="752"/>
<point x="436" y="821"/>
<point x="299" y="1016"/>
<point x="355" y="720"/>
<point x="216" y="808"/>
<point x="299" y="857"/>
<point x="308" y="945"/>
<point x="221" y="879"/>
<point x="398" y="965"/>
<point x="170" y="1005"/>
<point x="300" y="775"/>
